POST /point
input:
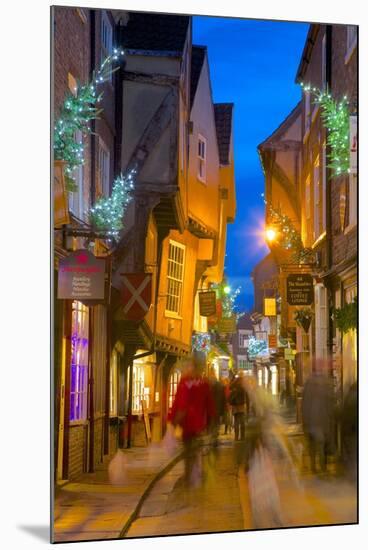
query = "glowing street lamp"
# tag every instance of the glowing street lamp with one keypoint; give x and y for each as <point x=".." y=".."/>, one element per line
<point x="227" y="290"/>
<point x="270" y="234"/>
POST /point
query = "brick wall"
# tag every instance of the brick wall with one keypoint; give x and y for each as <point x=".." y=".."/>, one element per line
<point x="77" y="450"/>
<point x="343" y="82"/>
<point x="72" y="55"/>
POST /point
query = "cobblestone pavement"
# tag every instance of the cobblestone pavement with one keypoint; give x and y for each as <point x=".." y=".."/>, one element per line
<point x="214" y="507"/>
<point x="91" y="508"/>
<point x="223" y="503"/>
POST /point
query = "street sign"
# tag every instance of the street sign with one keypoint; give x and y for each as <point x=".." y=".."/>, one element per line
<point x="81" y="276"/>
<point x="136" y="295"/>
<point x="269" y="307"/>
<point x="289" y="354"/>
<point x="272" y="341"/>
<point x="300" y="289"/>
<point x="207" y="303"/>
<point x="227" y="325"/>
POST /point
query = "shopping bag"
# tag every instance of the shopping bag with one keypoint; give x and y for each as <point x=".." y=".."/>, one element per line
<point x="263" y="490"/>
<point x="117" y="468"/>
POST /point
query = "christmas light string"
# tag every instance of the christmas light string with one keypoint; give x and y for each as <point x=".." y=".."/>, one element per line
<point x="336" y="119"/>
<point x="78" y="110"/>
<point x="287" y="236"/>
<point x="107" y="213"/>
<point x="201" y="341"/>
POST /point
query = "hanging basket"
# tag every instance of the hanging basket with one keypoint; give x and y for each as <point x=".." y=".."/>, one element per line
<point x="303" y="318"/>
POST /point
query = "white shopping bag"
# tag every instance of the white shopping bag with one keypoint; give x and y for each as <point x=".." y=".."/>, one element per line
<point x="117" y="468"/>
<point x="263" y="490"/>
<point x="170" y="442"/>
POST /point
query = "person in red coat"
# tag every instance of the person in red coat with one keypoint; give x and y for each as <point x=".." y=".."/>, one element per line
<point x="193" y="410"/>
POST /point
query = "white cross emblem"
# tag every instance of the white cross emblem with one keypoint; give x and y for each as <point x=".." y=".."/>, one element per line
<point x="136" y="292"/>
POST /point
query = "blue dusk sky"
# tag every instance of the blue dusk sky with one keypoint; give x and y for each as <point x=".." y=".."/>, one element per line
<point x="253" y="64"/>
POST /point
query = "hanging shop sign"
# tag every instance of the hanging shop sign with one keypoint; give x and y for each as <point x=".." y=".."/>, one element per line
<point x="299" y="290"/>
<point x="136" y="295"/>
<point x="289" y="354"/>
<point x="269" y="307"/>
<point x="227" y="325"/>
<point x="61" y="212"/>
<point x="81" y="276"/>
<point x="272" y="341"/>
<point x="353" y="144"/>
<point x="207" y="303"/>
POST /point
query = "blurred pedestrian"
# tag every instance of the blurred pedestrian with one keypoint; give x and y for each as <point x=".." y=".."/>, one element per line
<point x="218" y="395"/>
<point x="318" y="413"/>
<point x="194" y="411"/>
<point x="349" y="430"/>
<point x="240" y="404"/>
<point x="227" y="407"/>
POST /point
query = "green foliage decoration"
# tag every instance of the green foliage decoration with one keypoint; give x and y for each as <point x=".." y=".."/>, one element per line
<point x="80" y="107"/>
<point x="346" y="317"/>
<point x="336" y="119"/>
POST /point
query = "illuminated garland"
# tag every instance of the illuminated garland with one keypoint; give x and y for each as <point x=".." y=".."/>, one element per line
<point x="336" y="119"/>
<point x="228" y="299"/>
<point x="256" y="347"/>
<point x="77" y="111"/>
<point x="107" y="213"/>
<point x="287" y="236"/>
<point x="201" y="341"/>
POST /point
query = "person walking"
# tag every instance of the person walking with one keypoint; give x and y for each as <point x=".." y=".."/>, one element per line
<point x="227" y="407"/>
<point x="318" y="414"/>
<point x="218" y="396"/>
<point x="239" y="402"/>
<point x="194" y="411"/>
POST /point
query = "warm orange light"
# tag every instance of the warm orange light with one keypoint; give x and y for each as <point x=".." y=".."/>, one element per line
<point x="270" y="234"/>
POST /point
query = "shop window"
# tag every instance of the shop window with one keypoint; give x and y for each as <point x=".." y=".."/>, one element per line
<point x="202" y="153"/>
<point x="114" y="384"/>
<point x="104" y="168"/>
<point x="175" y="277"/>
<point x="321" y="319"/>
<point x="138" y="388"/>
<point x="173" y="386"/>
<point x="79" y="362"/>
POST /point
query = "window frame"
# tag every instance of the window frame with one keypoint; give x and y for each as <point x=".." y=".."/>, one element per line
<point x="102" y="148"/>
<point x="202" y="159"/>
<point x="178" y="281"/>
<point x="174" y="380"/>
<point x="80" y="318"/>
<point x="321" y="321"/>
<point x="106" y="48"/>
<point x="323" y="64"/>
<point x="352" y="202"/>
<point x="138" y="394"/>
<point x="76" y="198"/>
<point x="113" y="383"/>
<point x="351" y="44"/>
